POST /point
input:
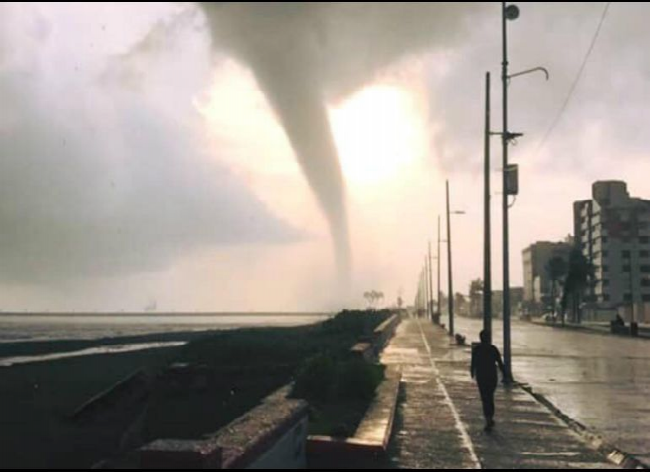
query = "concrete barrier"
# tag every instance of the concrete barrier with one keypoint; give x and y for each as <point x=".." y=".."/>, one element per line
<point x="384" y="332"/>
<point x="181" y="454"/>
<point x="373" y="434"/>
<point x="130" y="391"/>
<point x="364" y="351"/>
<point x="272" y="435"/>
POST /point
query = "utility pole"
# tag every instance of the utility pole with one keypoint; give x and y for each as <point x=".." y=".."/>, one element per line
<point x="430" y="302"/>
<point x="419" y="295"/>
<point x="450" y="284"/>
<point x="438" y="258"/>
<point x="487" y="251"/>
<point x="427" y="295"/>
<point x="508" y="12"/>
<point x="507" y="356"/>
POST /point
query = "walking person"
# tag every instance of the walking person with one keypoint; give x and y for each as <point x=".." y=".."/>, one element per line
<point x="485" y="359"/>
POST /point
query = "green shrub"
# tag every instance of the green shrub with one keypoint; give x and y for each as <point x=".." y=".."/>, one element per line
<point x="316" y="379"/>
<point x="324" y="379"/>
<point x="357" y="380"/>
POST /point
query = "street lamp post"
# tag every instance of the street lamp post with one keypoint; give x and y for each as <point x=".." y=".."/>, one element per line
<point x="450" y="301"/>
<point x="430" y="303"/>
<point x="438" y="279"/>
<point x="487" y="249"/>
<point x="426" y="288"/>
<point x="450" y="283"/>
<point x="422" y="294"/>
<point x="508" y="12"/>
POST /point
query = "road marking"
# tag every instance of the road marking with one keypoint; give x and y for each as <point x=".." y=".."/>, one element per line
<point x="467" y="441"/>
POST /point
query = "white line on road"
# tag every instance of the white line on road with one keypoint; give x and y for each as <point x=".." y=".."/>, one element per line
<point x="467" y="441"/>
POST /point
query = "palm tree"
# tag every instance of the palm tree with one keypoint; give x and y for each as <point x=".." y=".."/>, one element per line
<point x="579" y="273"/>
<point x="379" y="296"/>
<point x="476" y="298"/>
<point x="373" y="297"/>
<point x="556" y="269"/>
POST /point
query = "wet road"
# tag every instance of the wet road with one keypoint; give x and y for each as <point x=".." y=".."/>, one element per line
<point x="601" y="381"/>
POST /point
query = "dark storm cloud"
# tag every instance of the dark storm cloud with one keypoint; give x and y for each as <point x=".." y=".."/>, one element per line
<point x="303" y="55"/>
<point x="99" y="178"/>
<point x="606" y="117"/>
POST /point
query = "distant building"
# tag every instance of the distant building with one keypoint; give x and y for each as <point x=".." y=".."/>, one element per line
<point x="613" y="233"/>
<point x="537" y="281"/>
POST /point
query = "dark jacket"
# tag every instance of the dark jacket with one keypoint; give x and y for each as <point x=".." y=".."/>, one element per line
<point x="485" y="358"/>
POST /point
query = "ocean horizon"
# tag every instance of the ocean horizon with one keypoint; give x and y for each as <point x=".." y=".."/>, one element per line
<point x="38" y="326"/>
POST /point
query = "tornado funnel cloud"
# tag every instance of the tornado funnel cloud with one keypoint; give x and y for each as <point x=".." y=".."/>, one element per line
<point x="275" y="42"/>
<point x="303" y="115"/>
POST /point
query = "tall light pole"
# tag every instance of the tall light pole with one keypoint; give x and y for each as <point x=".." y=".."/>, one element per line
<point x="487" y="250"/>
<point x="508" y="12"/>
<point x="427" y="294"/>
<point x="430" y="301"/>
<point x="438" y="279"/>
<point x="419" y="295"/>
<point x="450" y="283"/>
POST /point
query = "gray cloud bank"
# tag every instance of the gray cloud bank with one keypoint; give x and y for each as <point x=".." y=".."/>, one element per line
<point x="101" y="177"/>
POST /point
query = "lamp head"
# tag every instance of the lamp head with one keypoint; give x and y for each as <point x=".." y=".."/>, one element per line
<point x="512" y="12"/>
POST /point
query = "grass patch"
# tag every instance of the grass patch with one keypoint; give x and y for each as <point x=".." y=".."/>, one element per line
<point x="244" y="366"/>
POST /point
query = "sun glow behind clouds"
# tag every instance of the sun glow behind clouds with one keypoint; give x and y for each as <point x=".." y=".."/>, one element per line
<point x="379" y="133"/>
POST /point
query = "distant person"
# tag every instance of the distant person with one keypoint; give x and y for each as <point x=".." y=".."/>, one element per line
<point x="485" y="358"/>
<point x="619" y="321"/>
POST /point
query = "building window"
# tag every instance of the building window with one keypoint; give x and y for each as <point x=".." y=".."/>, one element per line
<point x="604" y="238"/>
<point x="625" y="254"/>
<point x="605" y="268"/>
<point x="605" y="297"/>
<point x="644" y="239"/>
<point x="606" y="282"/>
<point x="645" y="282"/>
<point x="626" y="268"/>
<point x="646" y="298"/>
<point x="628" y="297"/>
<point x="644" y="253"/>
<point x="605" y="253"/>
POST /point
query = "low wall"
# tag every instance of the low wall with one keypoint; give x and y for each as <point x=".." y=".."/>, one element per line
<point x="364" y="352"/>
<point x="132" y="390"/>
<point x="384" y="332"/>
<point x="273" y="435"/>
<point x="371" y="439"/>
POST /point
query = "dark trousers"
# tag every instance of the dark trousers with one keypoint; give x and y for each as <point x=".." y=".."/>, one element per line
<point x="487" y="387"/>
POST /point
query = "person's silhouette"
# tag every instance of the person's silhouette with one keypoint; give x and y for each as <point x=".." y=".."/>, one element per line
<point x="485" y="358"/>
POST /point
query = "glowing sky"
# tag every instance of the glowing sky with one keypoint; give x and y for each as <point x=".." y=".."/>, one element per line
<point x="140" y="160"/>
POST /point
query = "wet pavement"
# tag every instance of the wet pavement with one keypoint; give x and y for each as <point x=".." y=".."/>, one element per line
<point x="426" y="432"/>
<point x="599" y="380"/>
<point x="439" y="421"/>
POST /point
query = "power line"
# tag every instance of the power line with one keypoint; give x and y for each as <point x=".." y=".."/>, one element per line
<point x="556" y="120"/>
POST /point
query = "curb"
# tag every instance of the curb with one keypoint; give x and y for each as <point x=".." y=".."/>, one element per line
<point x="586" y="329"/>
<point x="611" y="452"/>
<point x="369" y="441"/>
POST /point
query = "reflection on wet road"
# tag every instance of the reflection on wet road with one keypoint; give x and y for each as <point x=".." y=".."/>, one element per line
<point x="602" y="381"/>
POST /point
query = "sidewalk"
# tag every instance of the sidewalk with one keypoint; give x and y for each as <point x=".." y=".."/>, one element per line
<point x="439" y="421"/>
